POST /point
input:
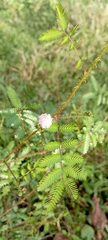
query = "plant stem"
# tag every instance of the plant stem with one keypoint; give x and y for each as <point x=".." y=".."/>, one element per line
<point x="82" y="80"/>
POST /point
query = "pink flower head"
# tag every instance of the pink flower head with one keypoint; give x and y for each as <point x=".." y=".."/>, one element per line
<point x="45" y="120"/>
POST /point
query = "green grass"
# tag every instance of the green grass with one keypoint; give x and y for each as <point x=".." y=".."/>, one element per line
<point x="43" y="75"/>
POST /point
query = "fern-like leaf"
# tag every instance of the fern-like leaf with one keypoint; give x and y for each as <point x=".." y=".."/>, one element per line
<point x="27" y="114"/>
<point x="12" y="120"/>
<point x="73" y="30"/>
<point x="51" y="35"/>
<point x="72" y="159"/>
<point x="65" y="41"/>
<point x="4" y="182"/>
<point x="52" y="146"/>
<point x="69" y="143"/>
<point x="49" y="179"/>
<point x="53" y="127"/>
<point x="13" y="97"/>
<point x="71" y="188"/>
<point x="86" y="143"/>
<point x="61" y="17"/>
<point x="68" y="128"/>
<point x="50" y="160"/>
<point x="79" y="63"/>
<point x="93" y="137"/>
<point x="75" y="172"/>
<point x="72" y="47"/>
<point x="20" y="133"/>
<point x="5" y="190"/>
<point x="31" y="124"/>
<point x="88" y="121"/>
<point x="56" y="194"/>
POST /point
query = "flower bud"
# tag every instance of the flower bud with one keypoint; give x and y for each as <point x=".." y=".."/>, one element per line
<point x="45" y="120"/>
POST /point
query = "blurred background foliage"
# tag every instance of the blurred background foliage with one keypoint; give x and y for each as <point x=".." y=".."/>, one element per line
<point x="43" y="75"/>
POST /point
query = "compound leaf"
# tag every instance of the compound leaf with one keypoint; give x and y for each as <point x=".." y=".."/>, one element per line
<point x="65" y="41"/>
<point x="75" y="172"/>
<point x="13" y="97"/>
<point x="61" y="17"/>
<point x="69" y="143"/>
<point x="52" y="146"/>
<point x="50" y="160"/>
<point x="50" y="35"/>
<point x="70" y="127"/>
<point x="71" y="188"/>
<point x="56" y="194"/>
<point x="49" y="179"/>
<point x="72" y="159"/>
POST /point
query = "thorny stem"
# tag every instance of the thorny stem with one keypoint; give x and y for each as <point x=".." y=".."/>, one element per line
<point x="19" y="202"/>
<point x="20" y="145"/>
<point x="82" y="80"/>
<point x="15" y="150"/>
<point x="67" y="34"/>
<point x="12" y="174"/>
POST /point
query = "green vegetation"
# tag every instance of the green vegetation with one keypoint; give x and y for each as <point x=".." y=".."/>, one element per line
<point x="49" y="176"/>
